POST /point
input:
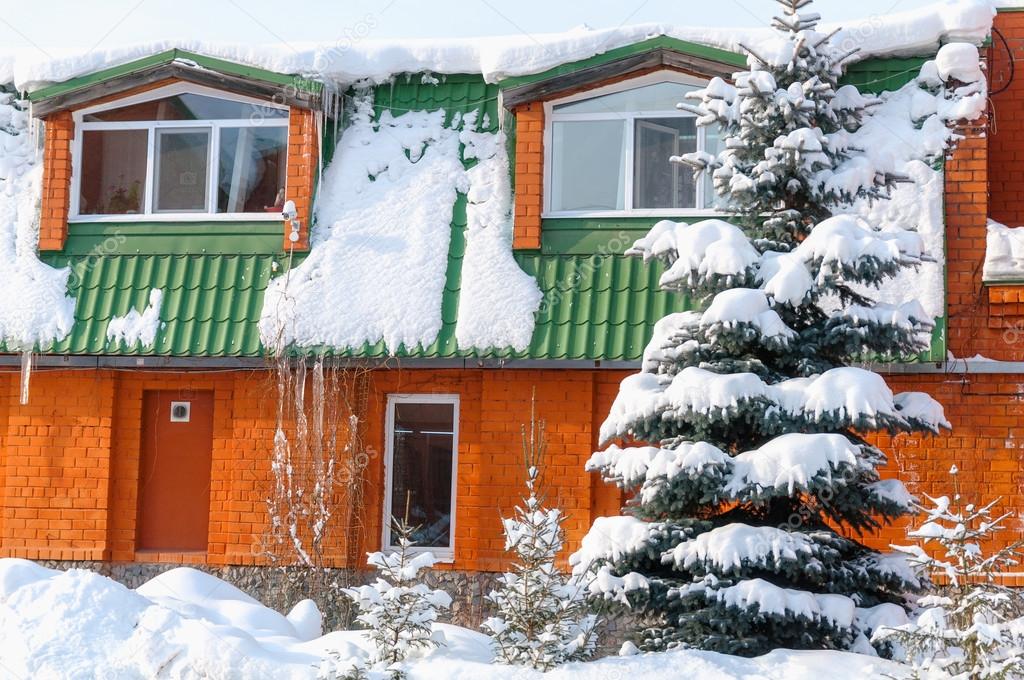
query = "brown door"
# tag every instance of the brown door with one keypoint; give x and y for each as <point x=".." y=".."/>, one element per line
<point x="174" y="470"/>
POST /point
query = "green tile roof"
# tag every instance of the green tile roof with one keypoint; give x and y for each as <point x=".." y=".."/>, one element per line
<point x="596" y="306"/>
<point x="210" y="307"/>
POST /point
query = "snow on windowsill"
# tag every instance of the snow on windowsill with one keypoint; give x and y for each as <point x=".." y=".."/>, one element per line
<point x="1004" y="254"/>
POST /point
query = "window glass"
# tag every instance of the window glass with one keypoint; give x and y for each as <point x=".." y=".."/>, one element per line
<point x="113" y="172"/>
<point x="251" y="170"/>
<point x="657" y="182"/>
<point x="187" y="107"/>
<point x="588" y="165"/>
<point x="423" y="441"/>
<point x="181" y="160"/>
<point x="657" y="97"/>
<point x="713" y="145"/>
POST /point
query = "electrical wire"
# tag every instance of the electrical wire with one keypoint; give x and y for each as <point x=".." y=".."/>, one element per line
<point x="1009" y="58"/>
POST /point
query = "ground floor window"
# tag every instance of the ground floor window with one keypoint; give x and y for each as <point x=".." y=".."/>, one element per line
<point x="421" y="456"/>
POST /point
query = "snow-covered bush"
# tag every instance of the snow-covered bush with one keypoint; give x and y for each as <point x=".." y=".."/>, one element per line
<point x="971" y="628"/>
<point x="398" y="611"/>
<point x="741" y="441"/>
<point x="543" y="617"/>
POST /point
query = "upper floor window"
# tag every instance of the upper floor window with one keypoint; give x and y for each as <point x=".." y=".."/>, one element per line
<point x="608" y="150"/>
<point x="180" y="150"/>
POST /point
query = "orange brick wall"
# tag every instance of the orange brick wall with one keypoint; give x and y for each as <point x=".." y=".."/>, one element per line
<point x="303" y="165"/>
<point x="529" y="175"/>
<point x="57" y="467"/>
<point x="70" y="459"/>
<point x="1006" y="151"/>
<point x="59" y="130"/>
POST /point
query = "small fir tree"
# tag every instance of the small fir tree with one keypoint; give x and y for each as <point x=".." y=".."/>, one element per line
<point x="971" y="627"/>
<point x="747" y="421"/>
<point x="543" y="617"/>
<point x="398" y="611"/>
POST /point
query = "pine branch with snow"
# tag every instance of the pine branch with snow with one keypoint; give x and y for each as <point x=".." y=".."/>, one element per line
<point x="398" y="611"/>
<point x="971" y="628"/>
<point x="543" y="616"/>
<point x="741" y="442"/>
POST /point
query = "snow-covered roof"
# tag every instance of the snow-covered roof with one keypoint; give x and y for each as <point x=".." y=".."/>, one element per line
<point x="913" y="32"/>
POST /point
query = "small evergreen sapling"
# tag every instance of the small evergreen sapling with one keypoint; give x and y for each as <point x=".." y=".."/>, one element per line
<point x="543" y="618"/>
<point x="399" y="611"/>
<point x="971" y="628"/>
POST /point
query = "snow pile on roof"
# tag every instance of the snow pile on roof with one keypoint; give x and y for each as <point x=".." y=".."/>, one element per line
<point x="906" y="135"/>
<point x="498" y="300"/>
<point x="1004" y="253"/>
<point x="913" y="32"/>
<point x="137" y="327"/>
<point x="379" y="256"/>
<point x="35" y="309"/>
<point x="190" y="625"/>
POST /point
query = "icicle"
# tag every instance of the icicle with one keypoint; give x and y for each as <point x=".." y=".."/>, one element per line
<point x="26" y="375"/>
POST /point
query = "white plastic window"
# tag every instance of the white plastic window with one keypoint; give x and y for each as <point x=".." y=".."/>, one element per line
<point x="608" y="151"/>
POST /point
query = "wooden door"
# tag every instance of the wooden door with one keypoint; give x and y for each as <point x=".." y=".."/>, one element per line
<point x="174" y="470"/>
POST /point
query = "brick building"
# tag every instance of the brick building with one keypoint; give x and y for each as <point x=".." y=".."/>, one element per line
<point x="100" y="463"/>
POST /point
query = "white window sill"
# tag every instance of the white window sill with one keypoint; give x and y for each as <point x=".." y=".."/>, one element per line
<point x="622" y="214"/>
<point x="180" y="217"/>
<point x="445" y="556"/>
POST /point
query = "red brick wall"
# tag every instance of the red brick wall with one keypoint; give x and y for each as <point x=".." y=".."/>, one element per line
<point x="59" y="129"/>
<point x="70" y="464"/>
<point x="303" y="164"/>
<point x="529" y="175"/>
<point x="1006" y="152"/>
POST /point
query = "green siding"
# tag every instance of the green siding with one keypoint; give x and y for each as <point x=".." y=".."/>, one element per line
<point x="883" y="75"/>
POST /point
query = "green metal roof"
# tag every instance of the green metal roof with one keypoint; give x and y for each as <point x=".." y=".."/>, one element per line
<point x="210" y="306"/>
<point x="168" y="56"/>
<point x="594" y="307"/>
<point x="597" y="304"/>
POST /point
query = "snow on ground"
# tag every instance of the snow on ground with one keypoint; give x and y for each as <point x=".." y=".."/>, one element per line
<point x="186" y="624"/>
<point x="34" y="306"/>
<point x="349" y="60"/>
<point x="135" y="326"/>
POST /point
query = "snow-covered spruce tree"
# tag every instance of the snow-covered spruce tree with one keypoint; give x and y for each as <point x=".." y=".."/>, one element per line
<point x="972" y="627"/>
<point x="753" y="415"/>
<point x="543" y="617"/>
<point x="398" y="611"/>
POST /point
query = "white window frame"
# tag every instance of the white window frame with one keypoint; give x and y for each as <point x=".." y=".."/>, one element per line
<point x="628" y="119"/>
<point x="444" y="554"/>
<point x="214" y="126"/>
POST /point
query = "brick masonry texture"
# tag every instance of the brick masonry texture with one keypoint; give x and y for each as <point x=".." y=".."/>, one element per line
<point x="529" y="175"/>
<point x="58" y="131"/>
<point x="69" y="474"/>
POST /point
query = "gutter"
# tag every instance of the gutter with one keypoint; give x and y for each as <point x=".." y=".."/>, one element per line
<point x="96" y="362"/>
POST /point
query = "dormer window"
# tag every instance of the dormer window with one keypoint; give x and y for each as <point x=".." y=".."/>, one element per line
<point x="608" y="150"/>
<point x="182" y="150"/>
